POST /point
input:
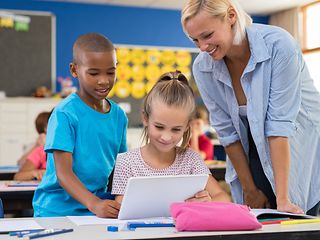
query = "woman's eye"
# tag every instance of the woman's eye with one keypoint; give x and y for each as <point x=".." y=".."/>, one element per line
<point x="159" y="127"/>
<point x="207" y="36"/>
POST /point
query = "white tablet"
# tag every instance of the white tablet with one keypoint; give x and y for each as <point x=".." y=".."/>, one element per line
<point x="147" y="197"/>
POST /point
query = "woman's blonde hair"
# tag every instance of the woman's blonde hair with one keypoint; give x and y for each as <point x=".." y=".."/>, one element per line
<point x="172" y="89"/>
<point x="218" y="9"/>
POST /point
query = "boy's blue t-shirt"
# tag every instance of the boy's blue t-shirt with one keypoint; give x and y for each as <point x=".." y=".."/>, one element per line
<point x="94" y="139"/>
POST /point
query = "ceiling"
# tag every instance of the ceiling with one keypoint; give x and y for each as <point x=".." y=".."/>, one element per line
<point x="257" y="7"/>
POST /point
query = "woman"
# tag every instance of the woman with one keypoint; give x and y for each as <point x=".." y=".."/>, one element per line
<point x="263" y="105"/>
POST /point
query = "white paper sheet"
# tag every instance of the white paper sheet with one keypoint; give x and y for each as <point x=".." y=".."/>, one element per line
<point x="93" y="220"/>
<point x="8" y="225"/>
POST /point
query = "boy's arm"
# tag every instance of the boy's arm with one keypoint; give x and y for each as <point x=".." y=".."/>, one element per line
<point x="71" y="183"/>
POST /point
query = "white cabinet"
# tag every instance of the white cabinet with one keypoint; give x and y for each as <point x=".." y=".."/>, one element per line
<point x="17" y="125"/>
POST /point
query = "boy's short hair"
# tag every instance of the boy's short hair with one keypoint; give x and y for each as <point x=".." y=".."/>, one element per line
<point x="42" y="121"/>
<point x="91" y="42"/>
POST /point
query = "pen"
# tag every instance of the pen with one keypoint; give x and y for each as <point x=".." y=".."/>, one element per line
<point x="300" y="221"/>
<point x="272" y="222"/>
<point x="134" y="225"/>
<point x="23" y="232"/>
<point x="24" y="185"/>
<point x="47" y="232"/>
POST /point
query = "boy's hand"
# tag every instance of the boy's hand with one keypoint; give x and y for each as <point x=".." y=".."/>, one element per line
<point x="106" y="208"/>
<point x="202" y="196"/>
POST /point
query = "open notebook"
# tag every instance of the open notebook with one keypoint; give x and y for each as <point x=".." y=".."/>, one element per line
<point x="272" y="213"/>
<point x="152" y="196"/>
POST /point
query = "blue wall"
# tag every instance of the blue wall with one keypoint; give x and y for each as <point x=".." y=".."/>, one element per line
<point x="123" y="25"/>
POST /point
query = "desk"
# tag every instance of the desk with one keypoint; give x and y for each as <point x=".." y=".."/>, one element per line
<point x="309" y="231"/>
<point x="7" y="172"/>
<point x="16" y="199"/>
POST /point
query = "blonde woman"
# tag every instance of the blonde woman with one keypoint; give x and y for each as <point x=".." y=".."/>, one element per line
<point x="262" y="103"/>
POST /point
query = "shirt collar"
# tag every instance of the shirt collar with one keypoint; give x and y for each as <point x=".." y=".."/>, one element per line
<point x="257" y="44"/>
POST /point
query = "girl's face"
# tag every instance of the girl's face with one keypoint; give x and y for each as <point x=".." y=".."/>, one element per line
<point x="210" y="34"/>
<point x="166" y="126"/>
<point x="96" y="74"/>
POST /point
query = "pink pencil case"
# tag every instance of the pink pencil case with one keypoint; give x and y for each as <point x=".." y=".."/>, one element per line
<point x="213" y="216"/>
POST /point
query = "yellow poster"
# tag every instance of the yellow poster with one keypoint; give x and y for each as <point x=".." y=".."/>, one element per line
<point x="153" y="56"/>
<point x="123" y="55"/>
<point x="149" y="86"/>
<point x="138" y="73"/>
<point x="124" y="72"/>
<point x="153" y="73"/>
<point x="138" y="90"/>
<point x="122" y="89"/>
<point x="168" y="57"/>
<point x="183" y="58"/>
<point x="138" y="56"/>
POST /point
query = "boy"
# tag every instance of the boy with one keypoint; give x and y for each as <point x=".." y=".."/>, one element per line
<point x="85" y="133"/>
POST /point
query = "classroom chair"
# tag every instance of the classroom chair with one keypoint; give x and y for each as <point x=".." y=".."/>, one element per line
<point x="1" y="209"/>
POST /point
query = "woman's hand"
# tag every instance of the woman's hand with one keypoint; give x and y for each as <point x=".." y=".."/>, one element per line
<point x="287" y="206"/>
<point x="202" y="196"/>
<point x="256" y="199"/>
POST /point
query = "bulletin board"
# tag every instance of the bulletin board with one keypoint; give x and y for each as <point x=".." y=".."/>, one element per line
<point x="27" y="49"/>
<point x="139" y="68"/>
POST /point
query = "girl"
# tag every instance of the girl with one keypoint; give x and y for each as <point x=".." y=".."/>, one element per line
<point x="33" y="163"/>
<point x="167" y="111"/>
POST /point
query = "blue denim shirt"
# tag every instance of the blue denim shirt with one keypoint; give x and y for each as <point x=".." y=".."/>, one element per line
<point x="281" y="101"/>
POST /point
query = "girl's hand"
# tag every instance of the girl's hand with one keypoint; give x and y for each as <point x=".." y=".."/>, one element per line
<point x="288" y="206"/>
<point x="256" y="199"/>
<point x="202" y="196"/>
<point x="106" y="208"/>
<point x="38" y="173"/>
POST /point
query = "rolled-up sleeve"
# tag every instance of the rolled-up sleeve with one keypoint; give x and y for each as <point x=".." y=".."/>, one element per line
<point x="285" y="95"/>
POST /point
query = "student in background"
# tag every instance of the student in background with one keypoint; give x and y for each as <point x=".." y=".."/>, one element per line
<point x="34" y="165"/>
<point x="167" y="111"/>
<point x="85" y="133"/>
<point x="41" y="123"/>
<point x="262" y="103"/>
<point x="199" y="141"/>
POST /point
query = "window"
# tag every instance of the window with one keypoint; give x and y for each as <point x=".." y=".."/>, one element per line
<point x="311" y="40"/>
